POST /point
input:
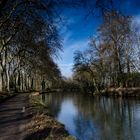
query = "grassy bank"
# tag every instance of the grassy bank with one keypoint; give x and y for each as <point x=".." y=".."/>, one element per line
<point x="42" y="126"/>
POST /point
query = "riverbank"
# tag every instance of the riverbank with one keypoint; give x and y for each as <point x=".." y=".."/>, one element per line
<point x="124" y="92"/>
<point x="42" y="126"/>
<point x="21" y="120"/>
<point x="113" y="91"/>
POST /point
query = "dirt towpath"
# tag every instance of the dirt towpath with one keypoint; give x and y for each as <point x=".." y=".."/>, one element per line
<point x="14" y="115"/>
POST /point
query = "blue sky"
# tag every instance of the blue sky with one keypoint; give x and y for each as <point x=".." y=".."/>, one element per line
<point x="76" y="31"/>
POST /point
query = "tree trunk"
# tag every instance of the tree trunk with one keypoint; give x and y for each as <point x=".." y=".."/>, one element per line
<point x="32" y="83"/>
<point x="8" y="78"/>
<point x="0" y="79"/>
<point x="3" y="75"/>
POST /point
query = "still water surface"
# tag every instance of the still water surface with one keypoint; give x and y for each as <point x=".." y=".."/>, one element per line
<point x="99" y="118"/>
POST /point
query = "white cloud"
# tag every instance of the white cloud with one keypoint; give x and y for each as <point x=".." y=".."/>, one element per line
<point x="66" y="69"/>
<point x="66" y="62"/>
<point x="136" y="20"/>
<point x="70" y="46"/>
<point x="77" y="45"/>
<point x="67" y="37"/>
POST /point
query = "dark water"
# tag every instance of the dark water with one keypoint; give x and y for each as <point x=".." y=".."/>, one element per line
<point x="99" y="118"/>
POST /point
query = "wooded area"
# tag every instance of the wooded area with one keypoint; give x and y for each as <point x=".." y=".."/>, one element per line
<point x="112" y="60"/>
<point x="30" y="42"/>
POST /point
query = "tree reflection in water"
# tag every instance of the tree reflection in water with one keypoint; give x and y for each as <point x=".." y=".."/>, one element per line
<point x="96" y="118"/>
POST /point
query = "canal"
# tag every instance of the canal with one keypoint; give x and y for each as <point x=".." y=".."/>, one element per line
<point x="96" y="118"/>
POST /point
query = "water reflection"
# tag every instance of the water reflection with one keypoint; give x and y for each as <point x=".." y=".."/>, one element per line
<point x="67" y="117"/>
<point x="98" y="118"/>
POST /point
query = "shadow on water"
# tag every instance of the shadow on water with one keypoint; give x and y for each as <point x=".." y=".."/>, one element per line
<point x="97" y="118"/>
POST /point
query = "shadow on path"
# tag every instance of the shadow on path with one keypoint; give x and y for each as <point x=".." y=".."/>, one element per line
<point x="13" y="119"/>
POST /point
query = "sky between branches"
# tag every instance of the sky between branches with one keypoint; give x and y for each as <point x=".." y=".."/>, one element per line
<point x="77" y="28"/>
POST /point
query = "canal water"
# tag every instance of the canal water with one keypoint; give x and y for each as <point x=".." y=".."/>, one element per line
<point x="96" y="118"/>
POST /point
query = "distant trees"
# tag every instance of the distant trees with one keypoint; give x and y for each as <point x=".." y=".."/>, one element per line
<point x="110" y="59"/>
<point x="84" y="71"/>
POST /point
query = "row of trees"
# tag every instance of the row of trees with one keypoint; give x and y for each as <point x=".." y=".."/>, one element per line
<point x="112" y="60"/>
<point x="29" y="41"/>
